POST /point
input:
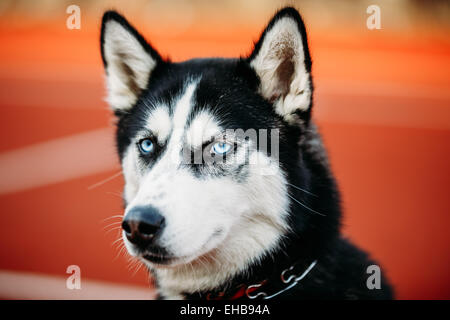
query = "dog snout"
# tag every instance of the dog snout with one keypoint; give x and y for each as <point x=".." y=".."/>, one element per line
<point x="142" y="225"/>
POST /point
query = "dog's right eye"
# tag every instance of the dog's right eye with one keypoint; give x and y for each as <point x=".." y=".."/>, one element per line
<point x="221" y="148"/>
<point x="146" y="146"/>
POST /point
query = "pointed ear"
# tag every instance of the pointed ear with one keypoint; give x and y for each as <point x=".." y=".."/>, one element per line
<point x="128" y="59"/>
<point x="282" y="62"/>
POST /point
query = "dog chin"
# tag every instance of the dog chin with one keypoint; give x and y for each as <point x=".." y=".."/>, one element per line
<point x="158" y="261"/>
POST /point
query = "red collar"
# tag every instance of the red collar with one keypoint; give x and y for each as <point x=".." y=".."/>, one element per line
<point x="288" y="280"/>
<point x="241" y="292"/>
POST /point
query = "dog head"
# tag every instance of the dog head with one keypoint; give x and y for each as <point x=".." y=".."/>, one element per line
<point x="207" y="145"/>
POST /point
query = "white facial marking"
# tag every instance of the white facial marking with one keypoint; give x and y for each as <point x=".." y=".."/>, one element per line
<point x="131" y="173"/>
<point x="202" y="129"/>
<point x="180" y="117"/>
<point x="160" y="124"/>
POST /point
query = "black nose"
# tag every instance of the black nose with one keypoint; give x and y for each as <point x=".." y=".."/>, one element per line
<point x="142" y="224"/>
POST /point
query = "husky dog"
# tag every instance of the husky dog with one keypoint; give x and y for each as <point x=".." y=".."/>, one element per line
<point x="210" y="210"/>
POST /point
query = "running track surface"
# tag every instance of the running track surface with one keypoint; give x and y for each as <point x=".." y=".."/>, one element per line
<point x="382" y="104"/>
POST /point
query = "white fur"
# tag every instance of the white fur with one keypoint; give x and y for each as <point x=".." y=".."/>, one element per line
<point x="131" y="172"/>
<point x="121" y="47"/>
<point x="283" y="36"/>
<point x="202" y="128"/>
<point x="180" y="117"/>
<point x="160" y="124"/>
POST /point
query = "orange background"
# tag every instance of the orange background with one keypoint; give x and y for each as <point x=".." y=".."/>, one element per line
<point x="381" y="102"/>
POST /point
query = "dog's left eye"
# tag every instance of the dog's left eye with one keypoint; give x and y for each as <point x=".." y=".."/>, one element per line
<point x="221" y="147"/>
<point x="146" y="146"/>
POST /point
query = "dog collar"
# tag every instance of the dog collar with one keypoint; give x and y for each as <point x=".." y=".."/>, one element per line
<point x="288" y="281"/>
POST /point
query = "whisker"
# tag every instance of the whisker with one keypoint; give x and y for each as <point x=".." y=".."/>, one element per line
<point x="112" y="229"/>
<point x="301" y="189"/>
<point x="111" y="224"/>
<point x="139" y="266"/>
<point x="112" y="217"/>
<point x="120" y="251"/>
<point x="131" y="262"/>
<point x="305" y="206"/>
<point x="115" y="241"/>
<point x="117" y="194"/>
<point x="95" y="185"/>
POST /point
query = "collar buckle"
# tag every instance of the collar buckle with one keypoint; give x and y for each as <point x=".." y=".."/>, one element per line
<point x="292" y="280"/>
<point x="252" y="288"/>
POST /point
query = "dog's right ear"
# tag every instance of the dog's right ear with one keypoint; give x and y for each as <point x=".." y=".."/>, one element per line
<point x="128" y="60"/>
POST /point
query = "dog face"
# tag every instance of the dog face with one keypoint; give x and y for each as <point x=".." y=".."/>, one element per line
<point x="207" y="145"/>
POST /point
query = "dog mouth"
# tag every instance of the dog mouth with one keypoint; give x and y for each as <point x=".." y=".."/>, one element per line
<point x="165" y="259"/>
<point x="158" y="259"/>
<point x="159" y="256"/>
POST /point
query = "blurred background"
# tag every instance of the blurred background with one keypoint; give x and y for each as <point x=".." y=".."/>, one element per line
<point x="382" y="102"/>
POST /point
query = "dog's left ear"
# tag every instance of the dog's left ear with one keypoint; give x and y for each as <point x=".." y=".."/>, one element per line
<point x="128" y="59"/>
<point x="282" y="62"/>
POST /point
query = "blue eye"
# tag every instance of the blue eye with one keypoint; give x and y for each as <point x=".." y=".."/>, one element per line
<point x="221" y="147"/>
<point x="146" y="146"/>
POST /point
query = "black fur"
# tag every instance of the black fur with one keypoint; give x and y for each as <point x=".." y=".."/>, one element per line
<point x="229" y="88"/>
